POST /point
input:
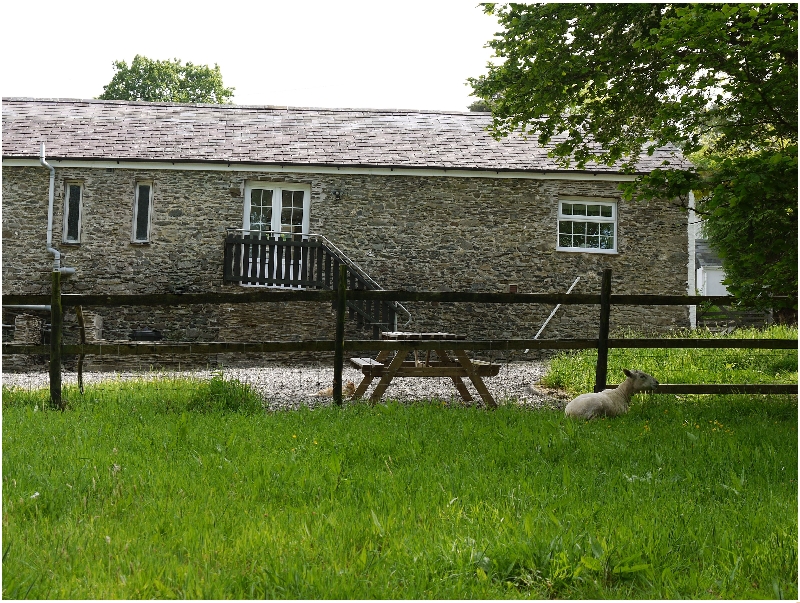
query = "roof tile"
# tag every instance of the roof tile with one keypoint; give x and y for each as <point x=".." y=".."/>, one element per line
<point x="121" y="130"/>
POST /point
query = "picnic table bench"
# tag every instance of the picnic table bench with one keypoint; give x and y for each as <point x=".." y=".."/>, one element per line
<point x="443" y="366"/>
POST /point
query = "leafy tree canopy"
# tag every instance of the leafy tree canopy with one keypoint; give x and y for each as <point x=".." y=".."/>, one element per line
<point x="631" y="76"/>
<point x="166" y="81"/>
<point x="717" y="80"/>
<point x="479" y="106"/>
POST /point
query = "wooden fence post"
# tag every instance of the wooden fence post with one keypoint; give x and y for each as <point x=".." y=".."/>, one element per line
<point x="601" y="371"/>
<point x="56" y="331"/>
<point x="338" y="354"/>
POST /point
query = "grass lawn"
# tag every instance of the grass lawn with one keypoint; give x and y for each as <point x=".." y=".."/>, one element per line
<point x="187" y="489"/>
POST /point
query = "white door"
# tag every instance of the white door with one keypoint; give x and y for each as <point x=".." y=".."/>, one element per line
<point x="278" y="212"/>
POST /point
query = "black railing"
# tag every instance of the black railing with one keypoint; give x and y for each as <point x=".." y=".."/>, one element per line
<point x="269" y="259"/>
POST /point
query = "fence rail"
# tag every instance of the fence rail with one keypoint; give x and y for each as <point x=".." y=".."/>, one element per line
<point x="276" y="295"/>
<point x="341" y="296"/>
<point x="370" y="345"/>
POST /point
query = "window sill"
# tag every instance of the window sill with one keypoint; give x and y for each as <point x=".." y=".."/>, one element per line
<point x="71" y="243"/>
<point x="587" y="250"/>
<point x="140" y="243"/>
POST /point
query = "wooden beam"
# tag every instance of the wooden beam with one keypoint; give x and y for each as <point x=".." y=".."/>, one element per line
<point x="56" y="337"/>
<point x="358" y="345"/>
<point x="725" y="389"/>
<point x="338" y="353"/>
<point x="282" y="295"/>
<point x="601" y="367"/>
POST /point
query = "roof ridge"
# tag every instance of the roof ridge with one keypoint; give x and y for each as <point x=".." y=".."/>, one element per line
<point x="235" y="106"/>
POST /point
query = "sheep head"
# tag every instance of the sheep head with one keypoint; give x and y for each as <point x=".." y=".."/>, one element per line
<point x="641" y="380"/>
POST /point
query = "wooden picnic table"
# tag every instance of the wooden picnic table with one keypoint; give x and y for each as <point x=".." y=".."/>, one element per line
<point x="442" y="366"/>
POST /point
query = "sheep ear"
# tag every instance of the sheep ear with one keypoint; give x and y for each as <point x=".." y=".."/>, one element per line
<point x="627" y="372"/>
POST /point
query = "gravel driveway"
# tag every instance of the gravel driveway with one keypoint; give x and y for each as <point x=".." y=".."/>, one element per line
<point x="289" y="387"/>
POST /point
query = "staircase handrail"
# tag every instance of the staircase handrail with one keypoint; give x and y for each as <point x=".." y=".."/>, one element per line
<point x="339" y="254"/>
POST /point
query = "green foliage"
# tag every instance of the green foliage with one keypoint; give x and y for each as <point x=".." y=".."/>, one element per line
<point x="607" y="81"/>
<point x="123" y="497"/>
<point x="480" y="106"/>
<point x="749" y="204"/>
<point x="166" y="81"/>
<point x="224" y="395"/>
<point x="631" y="76"/>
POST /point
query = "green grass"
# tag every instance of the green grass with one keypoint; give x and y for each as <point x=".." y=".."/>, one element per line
<point x="574" y="371"/>
<point x="181" y="489"/>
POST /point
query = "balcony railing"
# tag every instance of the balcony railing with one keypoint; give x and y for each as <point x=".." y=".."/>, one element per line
<point x="270" y="259"/>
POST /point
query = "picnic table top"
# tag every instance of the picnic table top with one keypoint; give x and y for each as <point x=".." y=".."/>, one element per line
<point x="410" y="336"/>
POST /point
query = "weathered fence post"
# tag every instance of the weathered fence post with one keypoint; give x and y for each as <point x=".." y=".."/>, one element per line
<point x="601" y="371"/>
<point x="338" y="354"/>
<point x="56" y="330"/>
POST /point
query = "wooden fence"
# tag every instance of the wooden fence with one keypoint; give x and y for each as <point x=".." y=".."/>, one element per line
<point x="341" y="295"/>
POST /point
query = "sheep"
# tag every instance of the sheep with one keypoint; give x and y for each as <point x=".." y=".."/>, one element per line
<point x="611" y="402"/>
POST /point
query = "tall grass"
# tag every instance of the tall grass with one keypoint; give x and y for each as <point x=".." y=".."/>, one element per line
<point x="575" y="371"/>
<point x="131" y="495"/>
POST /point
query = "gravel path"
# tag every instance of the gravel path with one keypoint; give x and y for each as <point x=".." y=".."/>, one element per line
<point x="290" y="387"/>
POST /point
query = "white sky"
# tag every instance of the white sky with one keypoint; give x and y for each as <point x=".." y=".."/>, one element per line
<point x="378" y="54"/>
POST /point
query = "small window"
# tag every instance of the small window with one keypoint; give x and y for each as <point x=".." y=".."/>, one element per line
<point x="142" y="209"/>
<point x="587" y="225"/>
<point x="73" y="205"/>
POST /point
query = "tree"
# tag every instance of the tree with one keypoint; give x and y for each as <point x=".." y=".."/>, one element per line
<point x="166" y="81"/>
<point x="719" y="81"/>
<point x="479" y="106"/>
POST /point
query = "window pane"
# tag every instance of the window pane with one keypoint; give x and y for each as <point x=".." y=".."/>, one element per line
<point x="606" y="211"/>
<point x="579" y="227"/>
<point x="565" y="227"/>
<point x="73" y="212"/>
<point x="606" y="242"/>
<point x="564" y="240"/>
<point x="592" y="228"/>
<point x="143" y="212"/>
<point x="579" y="209"/>
<point x="261" y="210"/>
<point x="566" y="209"/>
<point x="579" y="241"/>
<point x="292" y="211"/>
<point x="297" y="199"/>
<point x="592" y="210"/>
<point x="593" y="242"/>
<point x="607" y="230"/>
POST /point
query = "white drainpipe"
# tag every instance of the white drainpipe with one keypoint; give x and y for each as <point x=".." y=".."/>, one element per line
<point x="51" y="195"/>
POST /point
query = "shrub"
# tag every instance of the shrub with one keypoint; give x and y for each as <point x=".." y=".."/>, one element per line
<point x="224" y="395"/>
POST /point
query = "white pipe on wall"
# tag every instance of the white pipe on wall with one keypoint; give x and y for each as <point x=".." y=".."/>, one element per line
<point x="50" y="199"/>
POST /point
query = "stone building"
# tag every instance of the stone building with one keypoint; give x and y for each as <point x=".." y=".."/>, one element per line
<point x="145" y="194"/>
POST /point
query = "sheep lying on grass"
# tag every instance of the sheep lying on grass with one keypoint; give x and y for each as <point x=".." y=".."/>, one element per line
<point x="611" y="402"/>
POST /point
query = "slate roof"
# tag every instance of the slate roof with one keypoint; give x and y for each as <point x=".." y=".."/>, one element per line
<point x="121" y="130"/>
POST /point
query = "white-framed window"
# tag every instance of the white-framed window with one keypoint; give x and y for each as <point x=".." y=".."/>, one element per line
<point x="279" y="212"/>
<point x="277" y="208"/>
<point x="587" y="225"/>
<point x="73" y="208"/>
<point x="142" y="212"/>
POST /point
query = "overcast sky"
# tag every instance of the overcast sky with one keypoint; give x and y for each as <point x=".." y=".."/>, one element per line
<point x="375" y="54"/>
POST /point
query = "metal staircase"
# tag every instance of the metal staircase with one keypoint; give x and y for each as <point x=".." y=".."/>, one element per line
<point x="270" y="259"/>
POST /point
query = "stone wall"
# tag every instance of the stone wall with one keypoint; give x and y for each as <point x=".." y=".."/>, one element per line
<point x="408" y="232"/>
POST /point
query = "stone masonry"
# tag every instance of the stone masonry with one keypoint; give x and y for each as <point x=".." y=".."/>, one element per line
<point x="407" y="232"/>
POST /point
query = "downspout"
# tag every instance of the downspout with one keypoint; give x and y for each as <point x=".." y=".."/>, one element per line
<point x="692" y="273"/>
<point x="51" y="196"/>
